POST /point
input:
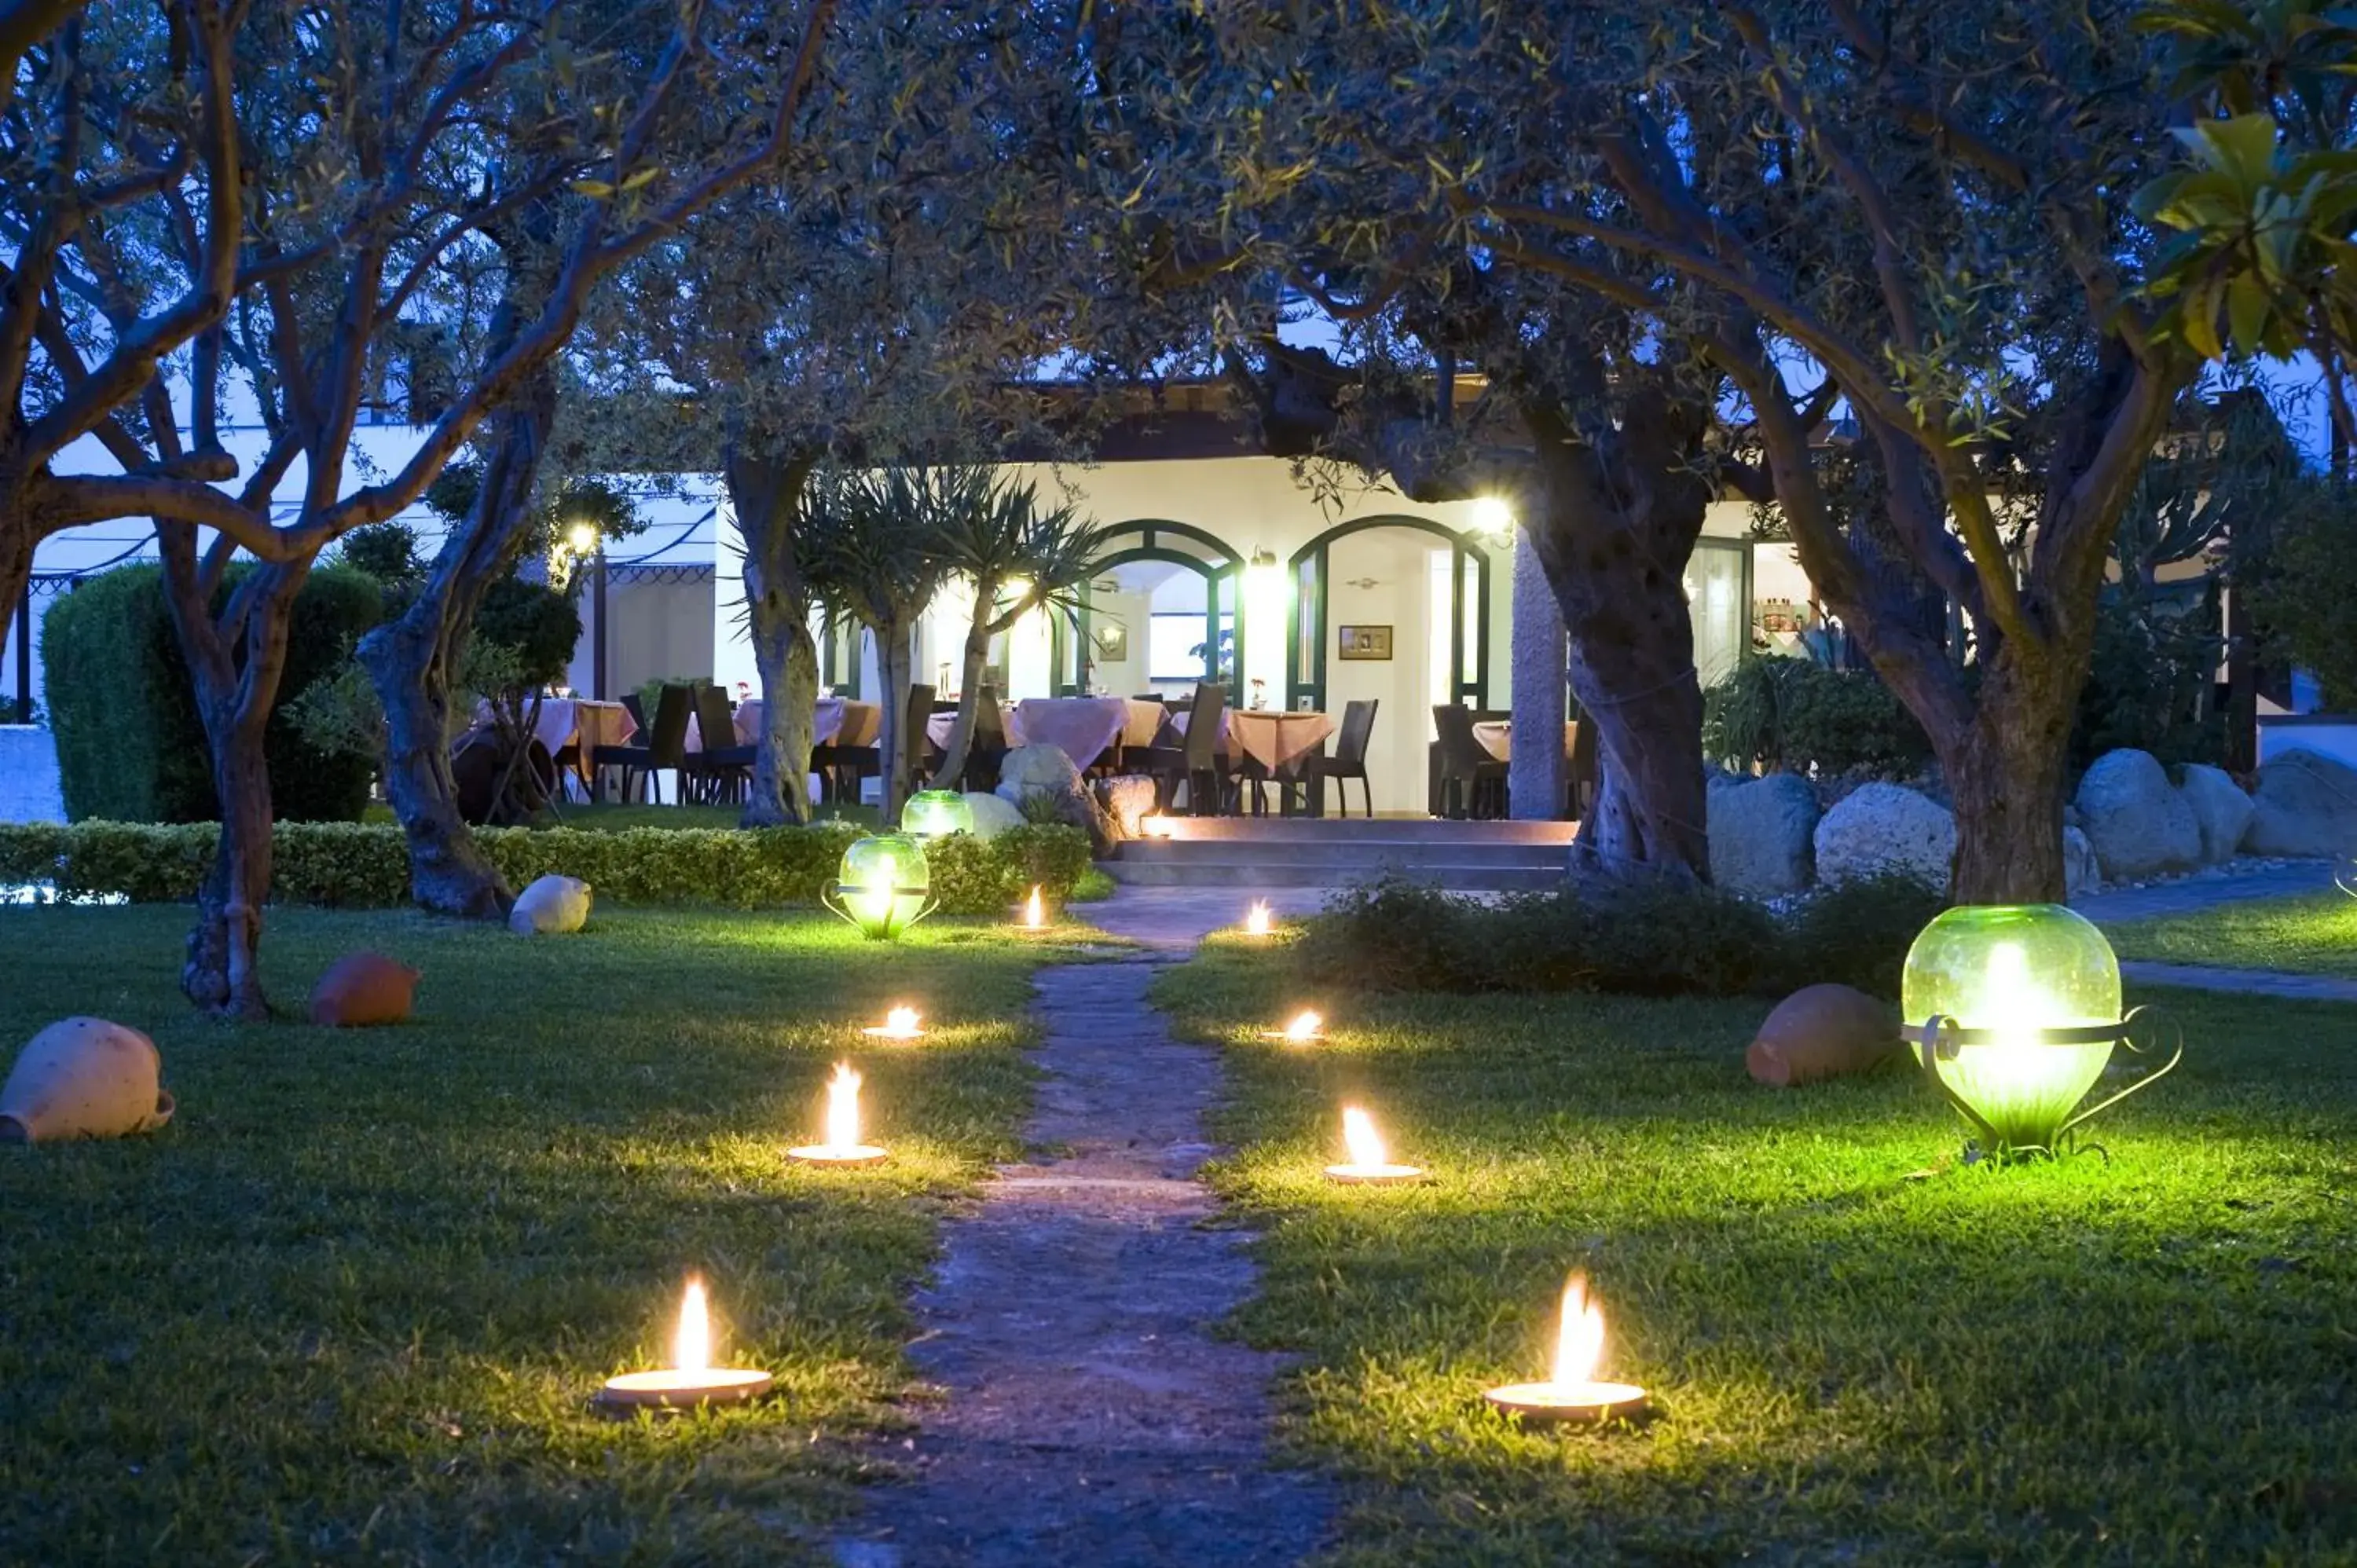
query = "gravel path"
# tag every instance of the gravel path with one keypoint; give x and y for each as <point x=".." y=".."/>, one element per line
<point x="2254" y="982"/>
<point x="2207" y="889"/>
<point x="1091" y="1418"/>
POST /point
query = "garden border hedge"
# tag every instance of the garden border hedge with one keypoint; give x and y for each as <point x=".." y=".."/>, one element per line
<point x="365" y="865"/>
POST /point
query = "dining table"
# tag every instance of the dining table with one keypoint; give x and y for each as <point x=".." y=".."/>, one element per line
<point x="1497" y="736"/>
<point x="1084" y="728"/>
<point x="584" y="722"/>
<point x="1270" y="736"/>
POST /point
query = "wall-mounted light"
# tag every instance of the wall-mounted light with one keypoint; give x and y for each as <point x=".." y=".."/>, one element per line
<point x="1493" y="517"/>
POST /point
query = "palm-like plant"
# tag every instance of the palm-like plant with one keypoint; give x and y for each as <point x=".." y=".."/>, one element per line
<point x="871" y="535"/>
<point x="1020" y="556"/>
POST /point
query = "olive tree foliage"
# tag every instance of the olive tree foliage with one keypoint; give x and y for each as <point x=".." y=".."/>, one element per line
<point x="886" y="307"/>
<point x="1272" y="177"/>
<point x="2261" y="217"/>
<point x="1926" y="207"/>
<point x="382" y="143"/>
<point x="114" y="119"/>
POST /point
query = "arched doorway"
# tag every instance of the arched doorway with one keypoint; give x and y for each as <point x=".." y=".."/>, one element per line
<point x="1163" y="609"/>
<point x="1397" y="609"/>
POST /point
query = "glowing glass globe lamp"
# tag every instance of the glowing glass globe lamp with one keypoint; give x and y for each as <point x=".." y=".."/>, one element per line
<point x="936" y="813"/>
<point x="2013" y="1011"/>
<point x="883" y="885"/>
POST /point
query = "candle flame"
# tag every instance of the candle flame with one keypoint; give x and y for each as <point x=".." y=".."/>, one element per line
<point x="843" y="1107"/>
<point x="1580" y="1339"/>
<point x="690" y="1349"/>
<point x="1359" y="1136"/>
<point x="1304" y="1026"/>
<point x="1035" y="913"/>
<point x="1256" y="919"/>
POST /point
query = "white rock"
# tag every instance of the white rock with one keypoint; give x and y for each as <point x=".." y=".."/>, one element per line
<point x="2306" y="804"/>
<point x="2220" y="809"/>
<point x="992" y="816"/>
<point x="1044" y="771"/>
<point x="1884" y="828"/>
<point x="552" y="906"/>
<point x="2139" y="824"/>
<point x="1762" y="835"/>
<point x="1128" y="800"/>
<point x="2081" y="872"/>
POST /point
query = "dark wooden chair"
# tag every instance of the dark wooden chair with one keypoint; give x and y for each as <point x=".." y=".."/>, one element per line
<point x="1350" y="758"/>
<point x="1202" y="764"/>
<point x="850" y="756"/>
<point x="1581" y="779"/>
<point x="1472" y="782"/>
<point x="722" y="773"/>
<point x="916" y="730"/>
<point x="638" y="712"/>
<point x="666" y="748"/>
<point x="987" y="748"/>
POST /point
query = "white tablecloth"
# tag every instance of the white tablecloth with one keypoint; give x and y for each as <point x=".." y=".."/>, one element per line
<point x="561" y="720"/>
<point x="1274" y="736"/>
<point x="1497" y="736"/>
<point x="1079" y="727"/>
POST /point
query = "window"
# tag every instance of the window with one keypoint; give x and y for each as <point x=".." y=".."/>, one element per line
<point x="1174" y="644"/>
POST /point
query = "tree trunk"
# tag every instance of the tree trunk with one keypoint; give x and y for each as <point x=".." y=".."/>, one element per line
<point x="893" y="660"/>
<point x="2005" y="772"/>
<point x="766" y="492"/>
<point x="17" y="544"/>
<point x="787" y="660"/>
<point x="977" y="661"/>
<point x="223" y="972"/>
<point x="413" y="662"/>
<point x="1614" y="525"/>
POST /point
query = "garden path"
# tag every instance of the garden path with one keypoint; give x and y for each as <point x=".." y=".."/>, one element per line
<point x="2254" y="982"/>
<point x="1090" y="1416"/>
<point x="2205" y="890"/>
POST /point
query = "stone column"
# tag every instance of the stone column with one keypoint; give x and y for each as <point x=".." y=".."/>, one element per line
<point x="1540" y="656"/>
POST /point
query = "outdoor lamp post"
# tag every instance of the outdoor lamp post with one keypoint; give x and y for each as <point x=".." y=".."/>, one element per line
<point x="883" y="886"/>
<point x="936" y="813"/>
<point x="2013" y="1010"/>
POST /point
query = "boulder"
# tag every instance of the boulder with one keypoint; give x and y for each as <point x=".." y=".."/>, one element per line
<point x="2137" y="821"/>
<point x="1762" y="835"/>
<point x="2220" y="809"/>
<point x="1879" y="829"/>
<point x="2306" y="804"/>
<point x="362" y="989"/>
<point x="553" y="905"/>
<point x="1128" y="800"/>
<point x="1820" y="1032"/>
<point x="2081" y="872"/>
<point x="992" y="816"/>
<point x="1044" y="772"/>
<point x="83" y="1077"/>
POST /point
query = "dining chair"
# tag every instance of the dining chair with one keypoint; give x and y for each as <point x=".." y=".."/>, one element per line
<point x="916" y="735"/>
<point x="1471" y="779"/>
<point x="666" y="748"/>
<point x="716" y="775"/>
<point x="1350" y="758"/>
<point x="1203" y="762"/>
<point x="986" y="748"/>
<point x="852" y="754"/>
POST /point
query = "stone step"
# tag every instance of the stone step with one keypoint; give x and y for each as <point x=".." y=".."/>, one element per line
<point x="1344" y="830"/>
<point x="1234" y="874"/>
<point x="1341" y="854"/>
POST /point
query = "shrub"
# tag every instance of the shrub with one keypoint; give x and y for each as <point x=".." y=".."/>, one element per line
<point x="1797" y="715"/>
<point x="1650" y="939"/>
<point x="130" y="745"/>
<point x="2308" y="595"/>
<point x="1859" y="934"/>
<point x="365" y="865"/>
<point x="2151" y="678"/>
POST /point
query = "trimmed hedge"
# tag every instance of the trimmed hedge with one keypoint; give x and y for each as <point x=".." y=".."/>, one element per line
<point x="131" y="747"/>
<point x="364" y="865"/>
<point x="1647" y="939"/>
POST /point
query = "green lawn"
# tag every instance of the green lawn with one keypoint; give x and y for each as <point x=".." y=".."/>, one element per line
<point x="2149" y="1361"/>
<point x="2310" y="933"/>
<point x="352" y="1305"/>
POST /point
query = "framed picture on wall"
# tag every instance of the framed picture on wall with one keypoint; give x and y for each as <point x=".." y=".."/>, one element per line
<point x="1111" y="638"/>
<point x="1366" y="642"/>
